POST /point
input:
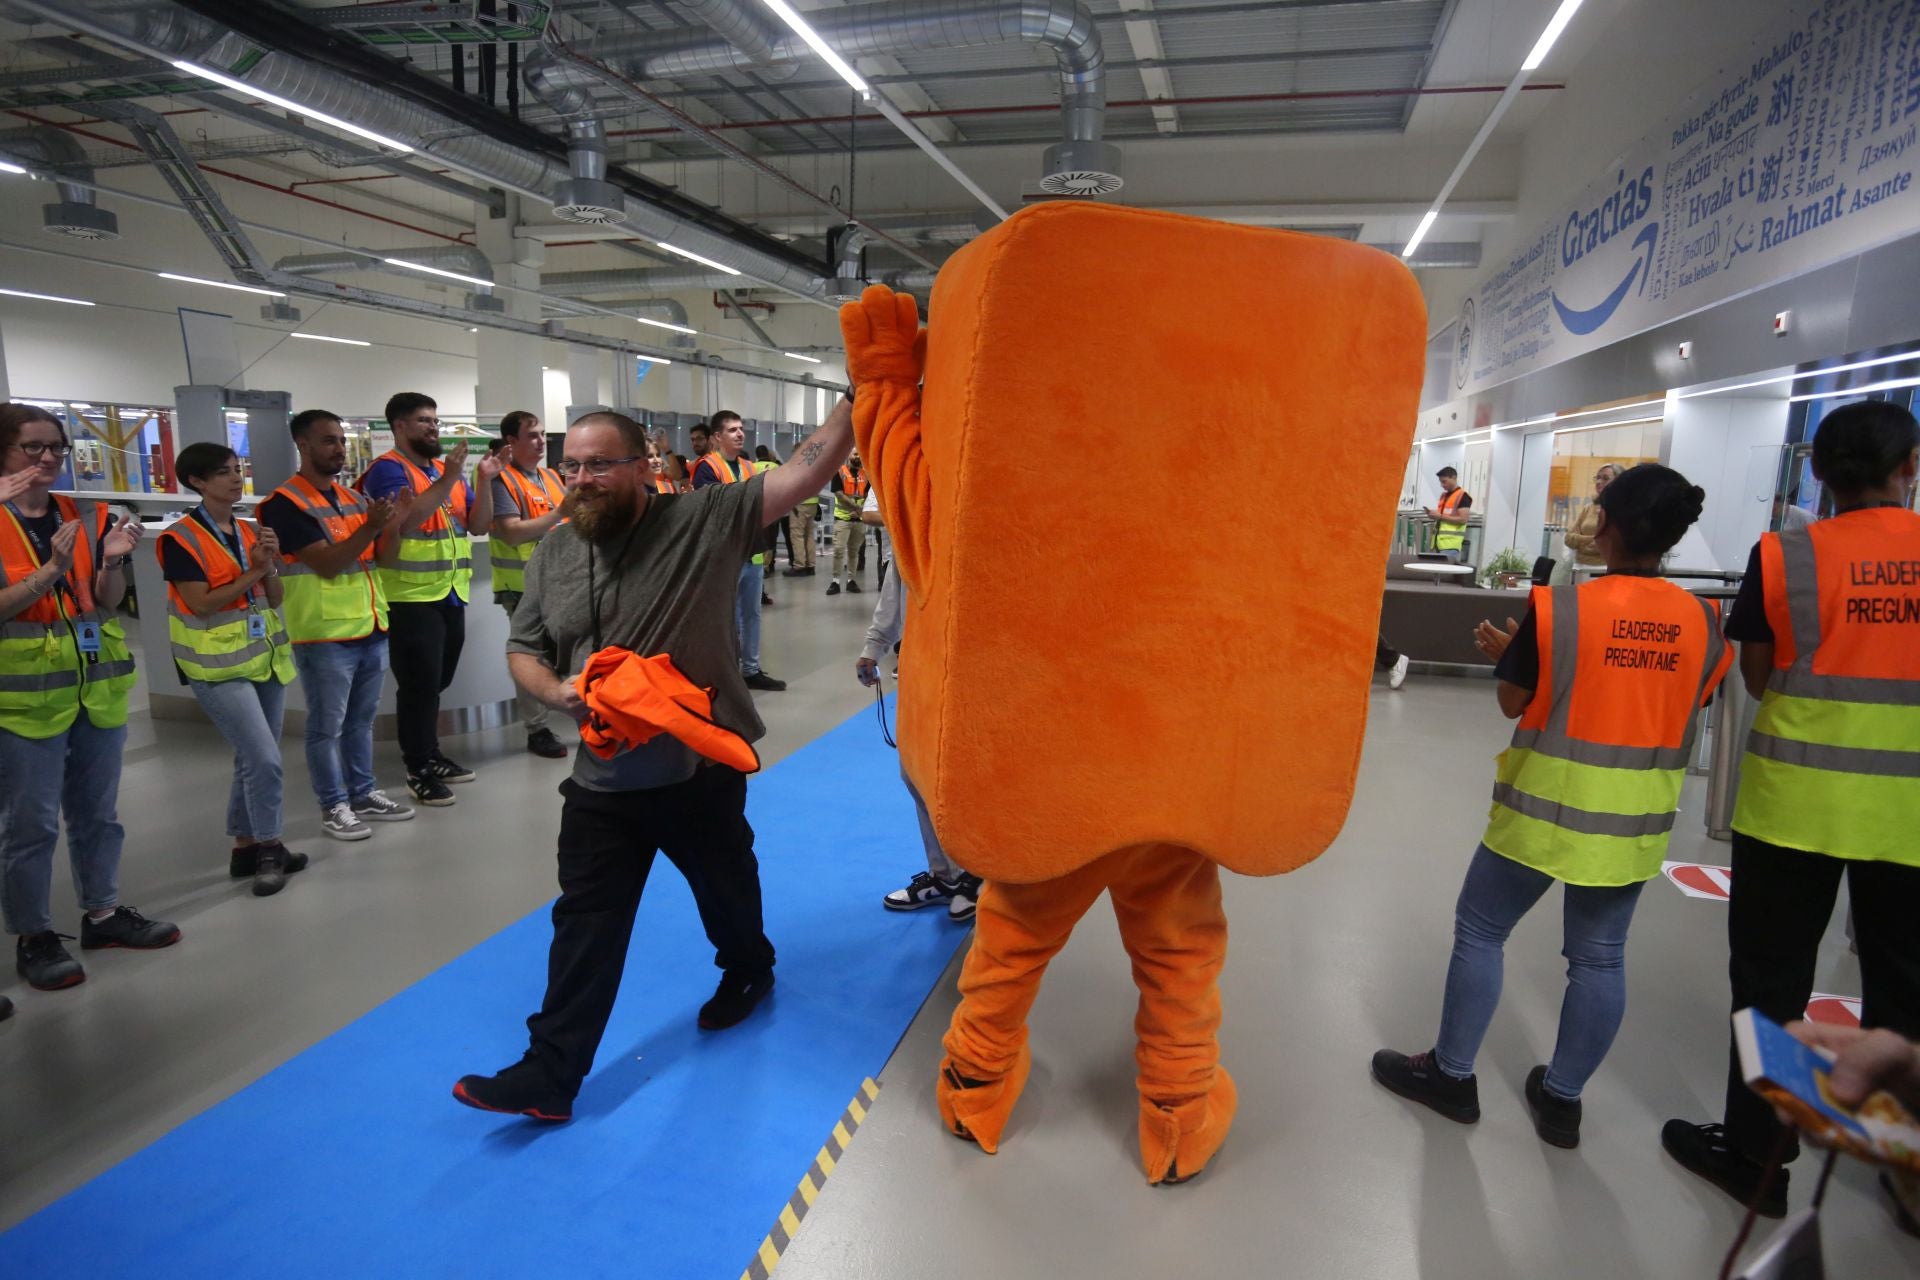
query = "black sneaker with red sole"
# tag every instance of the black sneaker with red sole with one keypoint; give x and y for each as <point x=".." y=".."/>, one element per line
<point x="523" y="1089"/>
<point x="127" y="928"/>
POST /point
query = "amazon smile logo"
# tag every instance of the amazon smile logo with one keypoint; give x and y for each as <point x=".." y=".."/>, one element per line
<point x="1586" y="320"/>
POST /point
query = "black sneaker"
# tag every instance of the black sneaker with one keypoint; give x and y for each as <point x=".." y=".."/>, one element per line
<point x="126" y="928"/>
<point x="1702" y="1149"/>
<point x="853" y="586"/>
<point x="429" y="790"/>
<point x="6" y="1008"/>
<point x="242" y="864"/>
<point x="441" y="769"/>
<point x="523" y="1089"/>
<point x="966" y="898"/>
<point x="543" y="744"/>
<point x="45" y="964"/>
<point x="761" y="680"/>
<point x="734" y="1000"/>
<point x="270" y="870"/>
<point x="833" y="588"/>
<point x="793" y="573"/>
<point x="1555" y="1119"/>
<point x="924" y="890"/>
<point x="765" y="600"/>
<point x="1420" y="1079"/>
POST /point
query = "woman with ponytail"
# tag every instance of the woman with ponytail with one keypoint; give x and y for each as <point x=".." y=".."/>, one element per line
<point x="1606" y="680"/>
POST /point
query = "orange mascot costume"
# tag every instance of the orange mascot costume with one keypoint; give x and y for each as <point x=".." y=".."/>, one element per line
<point x="1107" y="690"/>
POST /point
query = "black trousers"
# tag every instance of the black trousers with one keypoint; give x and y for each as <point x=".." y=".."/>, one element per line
<point x="1384" y="654"/>
<point x="1781" y="904"/>
<point x="423" y="648"/>
<point x="607" y="845"/>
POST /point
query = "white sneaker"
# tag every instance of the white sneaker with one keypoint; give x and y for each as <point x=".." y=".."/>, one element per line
<point x="965" y="898"/>
<point x="377" y="806"/>
<point x="340" y="823"/>
<point x="1398" y="676"/>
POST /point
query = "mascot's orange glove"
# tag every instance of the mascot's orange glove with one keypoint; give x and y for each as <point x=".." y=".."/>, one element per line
<point x="886" y="359"/>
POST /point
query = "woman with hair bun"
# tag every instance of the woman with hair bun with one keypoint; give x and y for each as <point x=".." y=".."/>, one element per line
<point x="1828" y="622"/>
<point x="1606" y="680"/>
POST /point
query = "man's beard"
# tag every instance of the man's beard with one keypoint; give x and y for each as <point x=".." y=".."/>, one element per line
<point x="601" y="519"/>
<point x="430" y="447"/>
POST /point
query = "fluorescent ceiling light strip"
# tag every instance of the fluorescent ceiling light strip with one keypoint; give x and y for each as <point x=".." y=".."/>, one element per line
<point x="221" y="284"/>
<point x="1420" y="232"/>
<point x="320" y="117"/>
<point x="1555" y="25"/>
<point x="6" y="167"/>
<point x="691" y="256"/>
<point x="322" y="337"/>
<point x="795" y="355"/>
<point x="1874" y="363"/>
<point x="662" y="324"/>
<point x="800" y="27"/>
<point x="1603" y="426"/>
<point x="641" y="355"/>
<point x="1895" y="385"/>
<point x="476" y="281"/>
<point x="45" y="297"/>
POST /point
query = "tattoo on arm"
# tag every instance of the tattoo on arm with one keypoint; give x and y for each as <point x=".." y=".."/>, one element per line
<point x="811" y="454"/>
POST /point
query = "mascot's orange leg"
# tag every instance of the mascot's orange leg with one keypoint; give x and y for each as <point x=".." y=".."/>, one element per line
<point x="1018" y="929"/>
<point x="1168" y="904"/>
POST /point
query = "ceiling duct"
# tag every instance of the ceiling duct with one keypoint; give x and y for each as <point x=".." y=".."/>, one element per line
<point x="849" y="245"/>
<point x="649" y="280"/>
<point x="586" y="196"/>
<point x="465" y="259"/>
<point x="75" y="214"/>
<point x="165" y="29"/>
<point x="1081" y="164"/>
<point x="667" y="310"/>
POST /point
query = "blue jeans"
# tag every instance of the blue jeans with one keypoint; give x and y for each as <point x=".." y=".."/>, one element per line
<point x="1498" y="891"/>
<point x="79" y="772"/>
<point x="746" y="617"/>
<point x="342" y="687"/>
<point x="248" y="714"/>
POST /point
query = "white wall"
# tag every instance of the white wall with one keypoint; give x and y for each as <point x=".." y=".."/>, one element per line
<point x="1729" y="446"/>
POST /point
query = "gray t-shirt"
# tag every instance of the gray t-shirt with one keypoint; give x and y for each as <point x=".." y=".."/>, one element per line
<point x="665" y="586"/>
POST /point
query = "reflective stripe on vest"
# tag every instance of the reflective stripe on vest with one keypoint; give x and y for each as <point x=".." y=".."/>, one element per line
<point x="716" y="462"/>
<point x="220" y="648"/>
<point x="1833" y="762"/>
<point x="1588" y="789"/>
<point x="1450" y="537"/>
<point x="533" y="501"/>
<point x="438" y="558"/>
<point x="40" y="658"/>
<point x="351" y="604"/>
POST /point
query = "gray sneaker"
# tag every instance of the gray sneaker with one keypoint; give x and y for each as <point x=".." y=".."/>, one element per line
<point x="340" y="823"/>
<point x="378" y="806"/>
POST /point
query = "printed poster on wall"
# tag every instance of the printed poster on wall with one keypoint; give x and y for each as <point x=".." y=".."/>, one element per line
<point x="1798" y="156"/>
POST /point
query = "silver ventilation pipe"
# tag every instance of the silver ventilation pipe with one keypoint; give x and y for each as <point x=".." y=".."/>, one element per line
<point x="75" y="214"/>
<point x="665" y="309"/>
<point x="653" y="280"/>
<point x="586" y="196"/>
<point x="848" y="283"/>
<point x="741" y="22"/>
<point x="163" y="29"/>
<point x="465" y="259"/>
<point x="1082" y="163"/>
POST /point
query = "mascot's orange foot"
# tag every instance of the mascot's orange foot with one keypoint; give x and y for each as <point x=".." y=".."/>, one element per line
<point x="1176" y="1142"/>
<point x="978" y="1110"/>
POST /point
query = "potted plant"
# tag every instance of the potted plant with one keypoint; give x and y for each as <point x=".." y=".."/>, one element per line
<point x="1507" y="569"/>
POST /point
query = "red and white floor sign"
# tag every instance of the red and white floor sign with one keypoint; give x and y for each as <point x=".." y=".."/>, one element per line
<point x="1834" y="1011"/>
<point x="1699" y="879"/>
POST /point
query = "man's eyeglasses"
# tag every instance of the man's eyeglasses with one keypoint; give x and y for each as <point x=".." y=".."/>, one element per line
<point x="36" y="448"/>
<point x="595" y="467"/>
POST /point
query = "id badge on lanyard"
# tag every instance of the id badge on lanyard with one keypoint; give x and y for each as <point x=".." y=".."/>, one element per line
<point x="87" y="637"/>
<point x="256" y="625"/>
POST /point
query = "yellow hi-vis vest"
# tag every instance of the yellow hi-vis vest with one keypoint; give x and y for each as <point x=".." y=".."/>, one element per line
<point x="438" y="558"/>
<point x="348" y="606"/>
<point x="244" y="640"/>
<point x="533" y="498"/>
<point x="1450" y="537"/>
<point x="1833" y="763"/>
<point x="1588" y="789"/>
<point x="45" y="680"/>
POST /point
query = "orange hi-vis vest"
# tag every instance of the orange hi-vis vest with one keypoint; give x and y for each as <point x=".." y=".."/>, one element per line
<point x="1588" y="789"/>
<point x="634" y="699"/>
<point x="533" y="499"/>
<point x="351" y="604"/>
<point x="716" y="462"/>
<point x="245" y="638"/>
<point x="45" y="679"/>
<point x="437" y="558"/>
<point x="1833" y="763"/>
<point x="1449" y="536"/>
<point x="663" y="484"/>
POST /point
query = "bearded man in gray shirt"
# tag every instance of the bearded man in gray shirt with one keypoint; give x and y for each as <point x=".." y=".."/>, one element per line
<point x="654" y="574"/>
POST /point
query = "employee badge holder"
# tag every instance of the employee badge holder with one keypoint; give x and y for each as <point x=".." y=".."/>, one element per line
<point x="256" y="625"/>
<point x="87" y="636"/>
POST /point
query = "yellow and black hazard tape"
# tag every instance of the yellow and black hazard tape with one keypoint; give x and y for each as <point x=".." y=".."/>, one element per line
<point x="787" y="1225"/>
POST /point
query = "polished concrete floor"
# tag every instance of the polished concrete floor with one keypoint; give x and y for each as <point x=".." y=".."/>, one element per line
<point x="1325" y="1174"/>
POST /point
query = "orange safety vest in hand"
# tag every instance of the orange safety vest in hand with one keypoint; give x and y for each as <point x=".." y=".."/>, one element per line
<point x="1833" y="763"/>
<point x="633" y="700"/>
<point x="1588" y="790"/>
